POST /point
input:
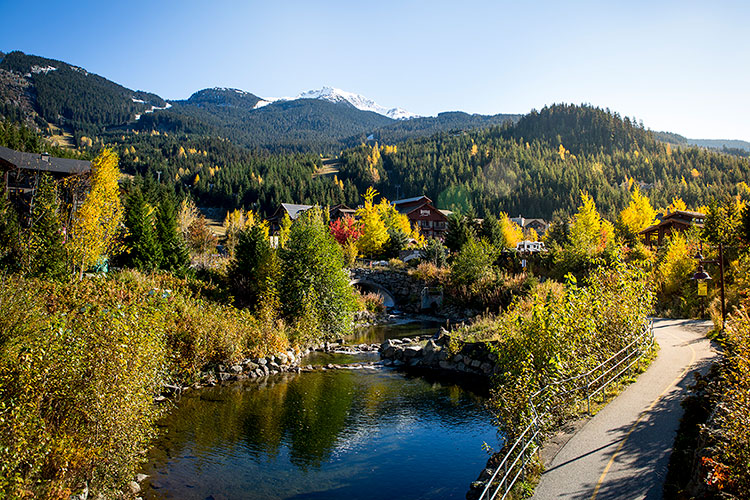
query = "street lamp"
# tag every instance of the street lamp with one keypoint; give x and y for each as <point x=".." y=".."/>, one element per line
<point x="702" y="275"/>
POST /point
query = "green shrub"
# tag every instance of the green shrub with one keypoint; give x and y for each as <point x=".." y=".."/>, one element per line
<point x="80" y="365"/>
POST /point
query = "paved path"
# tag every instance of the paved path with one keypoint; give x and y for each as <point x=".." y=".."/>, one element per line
<point x="624" y="450"/>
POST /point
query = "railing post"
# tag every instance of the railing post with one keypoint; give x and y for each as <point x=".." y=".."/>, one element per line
<point x="588" y="394"/>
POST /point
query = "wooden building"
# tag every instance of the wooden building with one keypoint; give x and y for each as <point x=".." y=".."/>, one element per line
<point x="540" y="226"/>
<point x="420" y="211"/>
<point x="679" y="220"/>
<point x="21" y="172"/>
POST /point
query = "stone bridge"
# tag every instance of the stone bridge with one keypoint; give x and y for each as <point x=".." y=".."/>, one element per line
<point x="395" y="286"/>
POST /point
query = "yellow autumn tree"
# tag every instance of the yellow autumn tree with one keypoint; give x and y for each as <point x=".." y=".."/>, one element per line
<point x="677" y="204"/>
<point x="97" y="221"/>
<point x="586" y="230"/>
<point x="637" y="216"/>
<point x="374" y="230"/>
<point x="512" y="233"/>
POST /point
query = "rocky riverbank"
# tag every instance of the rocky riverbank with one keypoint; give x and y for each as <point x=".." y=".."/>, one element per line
<point x="436" y="353"/>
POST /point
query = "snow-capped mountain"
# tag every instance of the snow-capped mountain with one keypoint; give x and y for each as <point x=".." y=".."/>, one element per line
<point x="337" y="95"/>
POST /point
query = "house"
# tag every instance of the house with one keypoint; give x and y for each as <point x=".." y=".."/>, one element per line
<point x="21" y="173"/>
<point x="679" y="220"/>
<point x="290" y="209"/>
<point x="420" y="211"/>
<point x="540" y="226"/>
<point x="340" y="211"/>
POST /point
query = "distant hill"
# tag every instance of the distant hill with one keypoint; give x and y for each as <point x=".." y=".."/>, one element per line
<point x="720" y="144"/>
<point x="49" y="93"/>
<point x="62" y="94"/>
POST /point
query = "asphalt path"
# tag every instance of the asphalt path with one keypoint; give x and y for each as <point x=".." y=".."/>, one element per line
<point x="623" y="451"/>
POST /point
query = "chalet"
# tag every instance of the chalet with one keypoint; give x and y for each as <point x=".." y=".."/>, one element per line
<point x="21" y="173"/>
<point x="679" y="220"/>
<point x="422" y="213"/>
<point x="540" y="226"/>
<point x="290" y="209"/>
<point x="340" y="211"/>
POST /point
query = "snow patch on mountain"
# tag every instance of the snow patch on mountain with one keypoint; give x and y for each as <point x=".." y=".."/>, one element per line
<point x="42" y="69"/>
<point x="332" y="94"/>
<point x="151" y="110"/>
<point x="335" y="95"/>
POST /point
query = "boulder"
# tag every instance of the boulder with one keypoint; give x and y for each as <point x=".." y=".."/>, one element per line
<point x="430" y="346"/>
<point x="235" y="369"/>
<point x="412" y="351"/>
<point x="134" y="487"/>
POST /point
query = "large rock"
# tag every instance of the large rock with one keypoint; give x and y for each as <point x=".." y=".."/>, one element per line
<point x="412" y="351"/>
<point x="430" y="346"/>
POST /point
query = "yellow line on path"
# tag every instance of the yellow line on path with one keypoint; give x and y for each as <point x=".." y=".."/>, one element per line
<point x="643" y="413"/>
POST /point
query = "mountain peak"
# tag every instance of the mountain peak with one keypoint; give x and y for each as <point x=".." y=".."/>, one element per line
<point x="332" y="94"/>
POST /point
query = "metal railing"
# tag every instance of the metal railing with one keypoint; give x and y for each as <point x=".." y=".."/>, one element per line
<point x="553" y="397"/>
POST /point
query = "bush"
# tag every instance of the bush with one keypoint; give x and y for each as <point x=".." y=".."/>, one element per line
<point x="314" y="288"/>
<point x="371" y="302"/>
<point x="556" y="334"/>
<point x="80" y="365"/>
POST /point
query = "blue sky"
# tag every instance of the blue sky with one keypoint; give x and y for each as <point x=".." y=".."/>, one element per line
<point x="680" y="66"/>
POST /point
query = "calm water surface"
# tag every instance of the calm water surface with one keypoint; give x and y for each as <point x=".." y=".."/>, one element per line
<point x="340" y="434"/>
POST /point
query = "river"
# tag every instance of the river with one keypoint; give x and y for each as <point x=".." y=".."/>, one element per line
<point x="369" y="433"/>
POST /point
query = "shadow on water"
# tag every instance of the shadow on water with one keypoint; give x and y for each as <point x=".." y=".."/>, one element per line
<point x="369" y="433"/>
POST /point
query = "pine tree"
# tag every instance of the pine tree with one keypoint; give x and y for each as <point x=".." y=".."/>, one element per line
<point x="46" y="253"/>
<point x="142" y="245"/>
<point x="174" y="252"/>
<point x="10" y="236"/>
<point x="251" y="266"/>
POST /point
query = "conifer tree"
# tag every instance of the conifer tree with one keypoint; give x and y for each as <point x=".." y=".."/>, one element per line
<point x="10" y="236"/>
<point x="46" y="253"/>
<point x="142" y="245"/>
<point x="175" y="257"/>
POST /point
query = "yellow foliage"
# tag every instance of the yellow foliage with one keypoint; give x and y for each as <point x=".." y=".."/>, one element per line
<point x="677" y="264"/>
<point x="474" y="150"/>
<point x="639" y="214"/>
<point x="512" y="232"/>
<point x="181" y="153"/>
<point x="677" y="204"/>
<point x="374" y="230"/>
<point x="695" y="173"/>
<point x="96" y="223"/>
<point x="562" y="151"/>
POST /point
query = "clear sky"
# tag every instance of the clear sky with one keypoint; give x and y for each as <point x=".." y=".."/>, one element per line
<point x="680" y="66"/>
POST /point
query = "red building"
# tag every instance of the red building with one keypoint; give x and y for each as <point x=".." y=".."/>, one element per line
<point x="431" y="221"/>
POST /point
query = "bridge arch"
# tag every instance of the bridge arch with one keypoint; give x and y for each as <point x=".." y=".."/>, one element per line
<point x="367" y="286"/>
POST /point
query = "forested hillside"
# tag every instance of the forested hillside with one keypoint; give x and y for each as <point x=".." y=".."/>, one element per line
<point x="538" y="166"/>
<point x="68" y="95"/>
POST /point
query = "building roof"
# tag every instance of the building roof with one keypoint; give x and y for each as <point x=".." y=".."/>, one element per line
<point x="43" y="162"/>
<point x="685" y="213"/>
<point x="668" y="219"/>
<point x="410" y="200"/>
<point x="295" y="210"/>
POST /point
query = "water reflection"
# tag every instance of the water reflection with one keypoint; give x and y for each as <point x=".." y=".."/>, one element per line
<point x="334" y="434"/>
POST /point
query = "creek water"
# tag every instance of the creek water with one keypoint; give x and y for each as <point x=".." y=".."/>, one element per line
<point x="369" y="433"/>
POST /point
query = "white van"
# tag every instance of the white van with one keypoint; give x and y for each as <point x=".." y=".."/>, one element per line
<point x="530" y="246"/>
